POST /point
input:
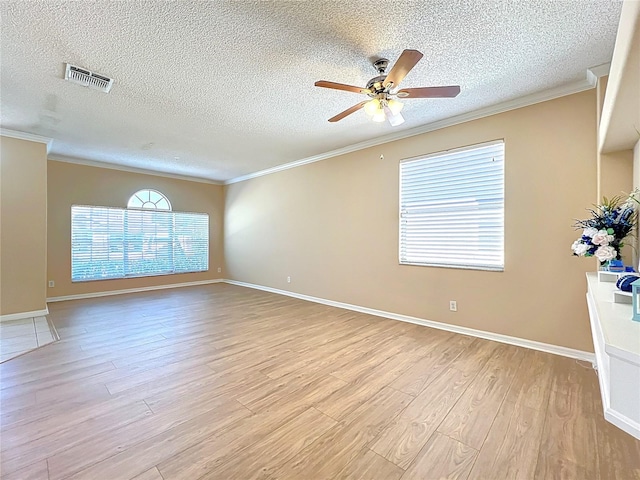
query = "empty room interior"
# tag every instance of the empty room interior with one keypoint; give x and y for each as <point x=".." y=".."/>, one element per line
<point x="320" y="240"/>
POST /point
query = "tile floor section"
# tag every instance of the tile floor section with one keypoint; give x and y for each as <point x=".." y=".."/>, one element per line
<point x="20" y="336"/>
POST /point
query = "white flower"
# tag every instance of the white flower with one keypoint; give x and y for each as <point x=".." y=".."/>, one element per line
<point x="634" y="198"/>
<point x="602" y="238"/>
<point x="589" y="232"/>
<point x="605" y="252"/>
<point x="579" y="248"/>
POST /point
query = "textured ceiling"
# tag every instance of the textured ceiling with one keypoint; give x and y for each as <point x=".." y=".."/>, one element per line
<point x="221" y="89"/>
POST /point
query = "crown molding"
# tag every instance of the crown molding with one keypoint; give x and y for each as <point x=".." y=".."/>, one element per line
<point x="6" y="132"/>
<point x="600" y="70"/>
<point x="568" y="89"/>
<point x="122" y="168"/>
<point x="594" y="73"/>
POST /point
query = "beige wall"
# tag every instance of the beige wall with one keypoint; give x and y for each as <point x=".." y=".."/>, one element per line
<point x="636" y="184"/>
<point x="333" y="227"/>
<point x="616" y="173"/>
<point x="616" y="179"/>
<point x="70" y="184"/>
<point x="636" y="165"/>
<point x="23" y="226"/>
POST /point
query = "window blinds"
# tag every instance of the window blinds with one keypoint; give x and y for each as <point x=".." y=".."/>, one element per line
<point x="452" y="208"/>
<point x="116" y="243"/>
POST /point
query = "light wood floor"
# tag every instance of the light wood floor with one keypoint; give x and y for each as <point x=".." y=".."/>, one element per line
<point x="223" y="382"/>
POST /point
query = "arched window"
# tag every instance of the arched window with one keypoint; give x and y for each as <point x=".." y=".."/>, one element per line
<point x="149" y="200"/>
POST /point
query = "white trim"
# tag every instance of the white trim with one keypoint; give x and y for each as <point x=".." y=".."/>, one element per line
<point x="122" y="168"/>
<point x="21" y="315"/>
<point x="496" y="337"/>
<point x="108" y="293"/>
<point x="622" y="422"/>
<point x="5" y="132"/>
<point x="618" y="114"/>
<point x="538" y="97"/>
<point x="594" y="73"/>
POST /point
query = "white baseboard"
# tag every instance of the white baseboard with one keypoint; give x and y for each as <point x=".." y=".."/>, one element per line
<point x="497" y="337"/>
<point x="108" y="293"/>
<point x="21" y="315"/>
<point x="622" y="422"/>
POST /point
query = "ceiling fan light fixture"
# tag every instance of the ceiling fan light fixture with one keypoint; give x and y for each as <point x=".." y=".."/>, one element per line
<point x="382" y="88"/>
<point x="395" y="106"/>
<point x="372" y="107"/>
<point x="379" y="116"/>
<point x="395" y="120"/>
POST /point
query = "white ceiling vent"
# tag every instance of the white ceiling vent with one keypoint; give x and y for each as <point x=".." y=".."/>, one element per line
<point x="86" y="78"/>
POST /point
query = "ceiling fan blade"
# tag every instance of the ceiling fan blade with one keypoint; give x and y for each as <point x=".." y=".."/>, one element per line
<point x="341" y="86"/>
<point x="403" y="65"/>
<point x="430" y="92"/>
<point x="348" y="111"/>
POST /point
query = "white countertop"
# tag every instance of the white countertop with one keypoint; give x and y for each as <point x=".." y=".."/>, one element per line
<point x="621" y="334"/>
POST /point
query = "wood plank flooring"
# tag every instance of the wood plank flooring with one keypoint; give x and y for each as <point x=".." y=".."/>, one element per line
<point x="222" y="382"/>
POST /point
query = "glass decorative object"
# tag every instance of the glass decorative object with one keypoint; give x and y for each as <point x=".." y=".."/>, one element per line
<point x="635" y="292"/>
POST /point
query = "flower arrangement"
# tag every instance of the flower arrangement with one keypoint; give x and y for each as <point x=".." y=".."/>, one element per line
<point x="610" y="223"/>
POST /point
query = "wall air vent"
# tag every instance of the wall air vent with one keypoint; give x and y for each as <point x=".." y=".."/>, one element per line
<point x="86" y="78"/>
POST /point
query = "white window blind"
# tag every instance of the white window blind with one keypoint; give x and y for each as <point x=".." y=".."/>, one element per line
<point x="452" y="208"/>
<point x="116" y="243"/>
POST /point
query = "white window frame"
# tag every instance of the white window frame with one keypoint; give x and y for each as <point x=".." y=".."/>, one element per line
<point x="148" y="204"/>
<point x="490" y="258"/>
<point x="181" y="244"/>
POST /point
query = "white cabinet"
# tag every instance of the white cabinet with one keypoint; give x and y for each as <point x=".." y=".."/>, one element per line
<point x="616" y="339"/>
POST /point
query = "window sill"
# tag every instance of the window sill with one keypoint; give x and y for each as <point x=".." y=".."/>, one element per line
<point x="137" y="276"/>
<point x="457" y="267"/>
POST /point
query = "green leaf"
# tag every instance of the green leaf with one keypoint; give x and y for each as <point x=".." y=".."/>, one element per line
<point x="610" y="231"/>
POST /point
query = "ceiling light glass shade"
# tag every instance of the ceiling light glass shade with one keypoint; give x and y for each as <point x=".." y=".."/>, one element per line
<point x="379" y="116"/>
<point x="395" y="106"/>
<point x="394" y="120"/>
<point x="372" y="107"/>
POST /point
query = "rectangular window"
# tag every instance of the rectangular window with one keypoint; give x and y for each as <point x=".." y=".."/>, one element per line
<point x="118" y="243"/>
<point x="452" y="208"/>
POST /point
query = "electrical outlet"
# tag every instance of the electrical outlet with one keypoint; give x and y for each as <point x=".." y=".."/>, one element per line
<point x="288" y="279"/>
<point x="453" y="306"/>
<point x="52" y="283"/>
<point x="219" y="269"/>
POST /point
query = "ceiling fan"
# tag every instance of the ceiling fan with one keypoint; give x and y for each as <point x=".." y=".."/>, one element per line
<point x="382" y="90"/>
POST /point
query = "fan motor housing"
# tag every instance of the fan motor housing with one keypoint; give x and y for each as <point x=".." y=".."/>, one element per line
<point x="375" y="84"/>
<point x="381" y="65"/>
